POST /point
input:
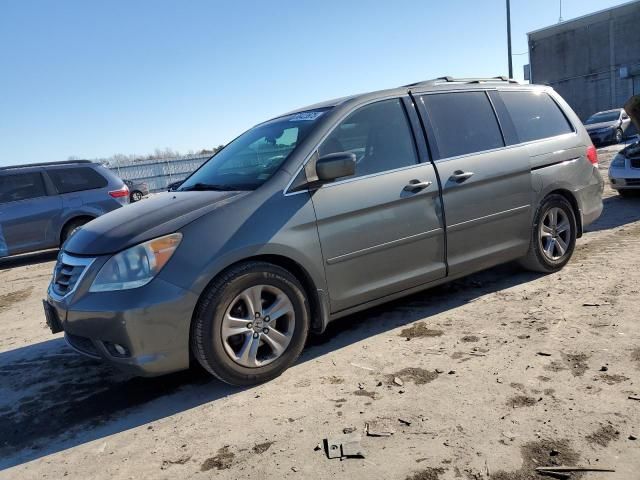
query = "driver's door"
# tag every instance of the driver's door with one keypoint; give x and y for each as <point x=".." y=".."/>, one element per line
<point x="378" y="234"/>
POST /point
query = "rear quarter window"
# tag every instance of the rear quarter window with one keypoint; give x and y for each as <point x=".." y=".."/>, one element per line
<point x="76" y="179"/>
<point x="535" y="115"/>
<point x="463" y="123"/>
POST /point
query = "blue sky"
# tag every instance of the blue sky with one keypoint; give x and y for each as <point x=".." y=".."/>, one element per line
<point x="92" y="79"/>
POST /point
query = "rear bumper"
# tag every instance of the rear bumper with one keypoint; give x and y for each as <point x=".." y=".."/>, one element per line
<point x="149" y="324"/>
<point x="589" y="199"/>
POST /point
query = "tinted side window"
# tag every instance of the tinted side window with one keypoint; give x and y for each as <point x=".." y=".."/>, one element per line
<point x="535" y="115"/>
<point x="378" y="134"/>
<point x="76" y="179"/>
<point x="463" y="123"/>
<point x="21" y="187"/>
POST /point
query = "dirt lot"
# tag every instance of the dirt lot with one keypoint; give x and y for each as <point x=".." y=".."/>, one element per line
<point x="487" y="377"/>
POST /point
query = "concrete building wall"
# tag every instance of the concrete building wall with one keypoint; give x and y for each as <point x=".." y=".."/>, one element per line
<point x="582" y="58"/>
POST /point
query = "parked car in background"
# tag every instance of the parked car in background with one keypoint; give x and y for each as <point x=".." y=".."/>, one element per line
<point x="624" y="170"/>
<point x="322" y="212"/>
<point x="608" y="126"/>
<point x="137" y="190"/>
<point x="42" y="204"/>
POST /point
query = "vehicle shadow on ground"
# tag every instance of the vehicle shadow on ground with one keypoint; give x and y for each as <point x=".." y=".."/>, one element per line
<point x="52" y="399"/>
<point x="28" y="259"/>
<point x="617" y="211"/>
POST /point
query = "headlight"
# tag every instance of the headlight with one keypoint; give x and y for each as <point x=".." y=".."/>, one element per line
<point x="618" y="161"/>
<point x="137" y="265"/>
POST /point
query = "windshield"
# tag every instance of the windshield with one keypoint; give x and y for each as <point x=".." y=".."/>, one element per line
<point x="603" y="117"/>
<point x="253" y="157"/>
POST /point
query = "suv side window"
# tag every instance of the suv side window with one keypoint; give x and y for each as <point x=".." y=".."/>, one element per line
<point x="21" y="186"/>
<point x="535" y="115"/>
<point x="378" y="134"/>
<point x="463" y="123"/>
<point x="76" y="179"/>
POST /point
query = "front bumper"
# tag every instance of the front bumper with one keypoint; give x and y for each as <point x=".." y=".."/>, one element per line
<point x="625" y="183"/>
<point x="149" y="324"/>
<point x="623" y="178"/>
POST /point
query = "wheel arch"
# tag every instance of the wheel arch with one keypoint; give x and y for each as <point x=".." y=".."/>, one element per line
<point x="574" y="205"/>
<point x="318" y="303"/>
<point x="69" y="221"/>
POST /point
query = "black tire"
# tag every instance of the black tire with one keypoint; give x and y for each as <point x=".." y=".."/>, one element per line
<point x="626" y="193"/>
<point x="206" y="327"/>
<point x="71" y="227"/>
<point x="135" y="196"/>
<point x="536" y="259"/>
<point x="619" y="136"/>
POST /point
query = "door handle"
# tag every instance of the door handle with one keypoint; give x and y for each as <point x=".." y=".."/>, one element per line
<point x="416" y="185"/>
<point x="459" y="176"/>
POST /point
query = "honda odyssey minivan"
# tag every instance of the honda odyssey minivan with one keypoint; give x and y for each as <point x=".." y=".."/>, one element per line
<point x="322" y="212"/>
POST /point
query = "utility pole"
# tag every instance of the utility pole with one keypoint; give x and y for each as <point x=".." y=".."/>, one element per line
<point x="509" y="38"/>
<point x="560" y="18"/>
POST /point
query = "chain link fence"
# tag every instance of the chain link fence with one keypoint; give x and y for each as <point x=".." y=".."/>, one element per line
<point x="157" y="174"/>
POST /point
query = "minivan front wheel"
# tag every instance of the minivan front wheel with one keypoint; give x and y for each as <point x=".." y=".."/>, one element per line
<point x="553" y="236"/>
<point x="251" y="324"/>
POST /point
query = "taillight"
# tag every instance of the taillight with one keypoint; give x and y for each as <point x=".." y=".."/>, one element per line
<point x="121" y="192"/>
<point x="592" y="154"/>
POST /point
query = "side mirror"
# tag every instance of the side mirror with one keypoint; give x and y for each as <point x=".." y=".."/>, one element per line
<point x="335" y="165"/>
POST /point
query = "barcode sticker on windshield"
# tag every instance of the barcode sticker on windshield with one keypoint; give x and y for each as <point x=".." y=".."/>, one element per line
<point x="308" y="116"/>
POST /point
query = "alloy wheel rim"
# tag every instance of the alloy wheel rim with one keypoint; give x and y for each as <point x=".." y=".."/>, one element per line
<point x="258" y="326"/>
<point x="555" y="233"/>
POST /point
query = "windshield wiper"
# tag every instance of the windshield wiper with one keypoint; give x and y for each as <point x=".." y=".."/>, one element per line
<point x="209" y="186"/>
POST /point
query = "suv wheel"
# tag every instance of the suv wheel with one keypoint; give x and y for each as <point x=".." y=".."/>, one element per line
<point x="251" y="324"/>
<point x="553" y="236"/>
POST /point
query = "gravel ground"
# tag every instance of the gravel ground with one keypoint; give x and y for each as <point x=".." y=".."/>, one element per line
<point x="486" y="377"/>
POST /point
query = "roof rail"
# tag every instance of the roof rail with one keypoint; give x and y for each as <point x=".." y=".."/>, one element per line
<point x="439" y="80"/>
<point x="44" y="164"/>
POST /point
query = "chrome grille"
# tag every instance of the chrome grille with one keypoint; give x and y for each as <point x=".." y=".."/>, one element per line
<point x="67" y="273"/>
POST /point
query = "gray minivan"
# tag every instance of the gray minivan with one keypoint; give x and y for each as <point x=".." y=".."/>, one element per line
<point x="322" y="212"/>
<point x="42" y="204"/>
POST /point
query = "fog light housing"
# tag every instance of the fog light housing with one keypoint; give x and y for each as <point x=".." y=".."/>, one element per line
<point x="117" y="350"/>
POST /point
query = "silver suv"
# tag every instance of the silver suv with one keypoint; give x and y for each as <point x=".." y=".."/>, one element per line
<point x="42" y="204"/>
<point x="322" y="212"/>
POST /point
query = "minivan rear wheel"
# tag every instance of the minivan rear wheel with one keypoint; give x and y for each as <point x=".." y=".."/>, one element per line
<point x="251" y="324"/>
<point x="553" y="236"/>
<point x="72" y="227"/>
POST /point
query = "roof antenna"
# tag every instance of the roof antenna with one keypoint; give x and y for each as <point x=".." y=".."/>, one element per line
<point x="560" y="19"/>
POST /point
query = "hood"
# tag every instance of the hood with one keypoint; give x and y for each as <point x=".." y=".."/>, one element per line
<point x="597" y="126"/>
<point x="631" y="151"/>
<point x="159" y="215"/>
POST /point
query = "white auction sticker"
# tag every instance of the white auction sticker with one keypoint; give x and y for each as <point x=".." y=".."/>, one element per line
<point x="305" y="116"/>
